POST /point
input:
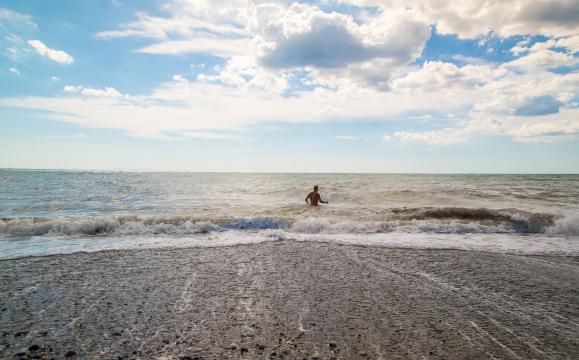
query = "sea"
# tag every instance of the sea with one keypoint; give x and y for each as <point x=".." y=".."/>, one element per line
<point x="45" y="212"/>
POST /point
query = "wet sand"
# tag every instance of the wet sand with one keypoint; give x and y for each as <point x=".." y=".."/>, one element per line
<point x="291" y="300"/>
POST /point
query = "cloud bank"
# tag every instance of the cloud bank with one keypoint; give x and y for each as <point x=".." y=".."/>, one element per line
<point x="310" y="62"/>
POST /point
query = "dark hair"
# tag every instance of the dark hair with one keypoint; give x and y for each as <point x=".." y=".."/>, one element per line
<point x="315" y="187"/>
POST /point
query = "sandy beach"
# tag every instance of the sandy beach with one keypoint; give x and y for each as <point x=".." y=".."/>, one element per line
<point x="292" y="300"/>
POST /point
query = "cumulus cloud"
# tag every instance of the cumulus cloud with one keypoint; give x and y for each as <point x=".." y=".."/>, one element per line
<point x="303" y="35"/>
<point x="14" y="71"/>
<point x="332" y="47"/>
<point x="182" y="105"/>
<point x="550" y="128"/>
<point x="540" y="105"/>
<point x="346" y="67"/>
<point x="437" y="75"/>
<point x="474" y="18"/>
<point x="58" y="56"/>
<point x="512" y="105"/>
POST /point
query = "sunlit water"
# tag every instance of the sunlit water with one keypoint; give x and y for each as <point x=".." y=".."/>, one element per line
<point x="48" y="212"/>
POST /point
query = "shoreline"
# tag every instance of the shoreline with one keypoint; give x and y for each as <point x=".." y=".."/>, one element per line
<point x="315" y="238"/>
<point x="289" y="299"/>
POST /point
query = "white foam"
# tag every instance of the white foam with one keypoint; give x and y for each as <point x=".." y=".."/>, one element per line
<point x="568" y="225"/>
<point x="182" y="225"/>
<point x="533" y="244"/>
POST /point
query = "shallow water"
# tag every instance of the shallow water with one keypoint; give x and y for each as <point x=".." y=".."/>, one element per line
<point x="46" y="212"/>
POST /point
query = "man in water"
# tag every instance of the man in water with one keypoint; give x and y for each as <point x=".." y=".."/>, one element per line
<point x="314" y="197"/>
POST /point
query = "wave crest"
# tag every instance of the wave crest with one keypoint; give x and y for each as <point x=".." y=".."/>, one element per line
<point x="413" y="220"/>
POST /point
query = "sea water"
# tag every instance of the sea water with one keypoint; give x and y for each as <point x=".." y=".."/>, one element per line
<point x="51" y="212"/>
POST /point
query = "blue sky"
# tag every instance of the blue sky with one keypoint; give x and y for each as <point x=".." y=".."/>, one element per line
<point x="314" y="86"/>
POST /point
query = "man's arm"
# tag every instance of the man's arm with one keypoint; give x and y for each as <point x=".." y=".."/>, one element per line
<point x="307" y="197"/>
<point x="322" y="201"/>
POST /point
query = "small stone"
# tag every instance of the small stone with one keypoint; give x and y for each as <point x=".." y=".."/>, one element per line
<point x="70" y="354"/>
<point x="116" y="333"/>
<point x="243" y="350"/>
<point x="332" y="345"/>
<point x="260" y="347"/>
<point x="34" y="348"/>
<point x="431" y="353"/>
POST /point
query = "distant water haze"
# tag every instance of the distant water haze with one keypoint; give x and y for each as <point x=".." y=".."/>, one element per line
<point x="45" y="212"/>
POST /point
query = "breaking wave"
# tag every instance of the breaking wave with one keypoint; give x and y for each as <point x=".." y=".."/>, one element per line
<point x="410" y="220"/>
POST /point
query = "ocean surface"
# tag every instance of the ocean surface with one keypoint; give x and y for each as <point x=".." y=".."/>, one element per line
<point x="52" y="212"/>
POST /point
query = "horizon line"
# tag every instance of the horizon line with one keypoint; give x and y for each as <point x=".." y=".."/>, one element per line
<point x="278" y="172"/>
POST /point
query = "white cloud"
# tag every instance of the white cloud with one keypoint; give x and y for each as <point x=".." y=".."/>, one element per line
<point x="14" y="71"/>
<point x="387" y="138"/>
<point x="439" y="137"/>
<point x="13" y="46"/>
<point x="15" y="18"/>
<point x="469" y="60"/>
<point x="351" y="68"/>
<point x="73" y="137"/>
<point x="437" y="75"/>
<point x="542" y="59"/>
<point x="106" y="92"/>
<point x="242" y="71"/>
<point x="304" y="35"/>
<point x="181" y="105"/>
<point x="58" y="56"/>
<point x="191" y="26"/>
<point x="569" y="42"/>
<point x="550" y="128"/>
<point x="332" y="47"/>
<point x="347" y="137"/>
<point x="207" y="135"/>
<point x="329" y="111"/>
<point x="474" y="18"/>
<point x="54" y="78"/>
<point x="72" y="88"/>
<point x="214" y="45"/>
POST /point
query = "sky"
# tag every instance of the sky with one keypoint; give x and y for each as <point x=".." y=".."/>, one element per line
<point x="285" y="86"/>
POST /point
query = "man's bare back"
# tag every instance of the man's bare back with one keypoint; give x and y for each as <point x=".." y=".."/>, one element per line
<point x="314" y="197"/>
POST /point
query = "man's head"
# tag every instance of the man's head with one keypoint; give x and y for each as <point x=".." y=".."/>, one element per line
<point x="316" y="188"/>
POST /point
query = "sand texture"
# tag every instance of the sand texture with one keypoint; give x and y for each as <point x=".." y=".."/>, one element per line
<point x="291" y="300"/>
